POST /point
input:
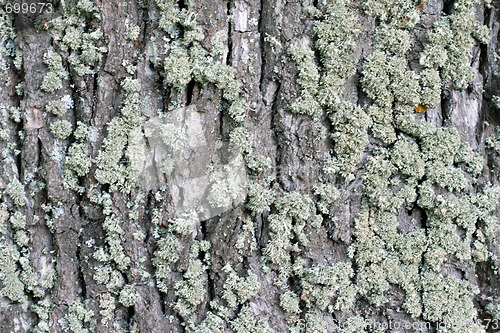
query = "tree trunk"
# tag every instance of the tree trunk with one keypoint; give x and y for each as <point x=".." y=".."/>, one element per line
<point x="250" y="166"/>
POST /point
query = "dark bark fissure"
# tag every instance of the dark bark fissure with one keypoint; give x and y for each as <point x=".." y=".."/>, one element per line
<point x="260" y="29"/>
<point x="230" y="28"/>
<point x="448" y="7"/>
<point x="189" y="92"/>
<point x="81" y="276"/>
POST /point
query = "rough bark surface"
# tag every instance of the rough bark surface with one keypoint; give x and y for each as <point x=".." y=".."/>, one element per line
<point x="65" y="227"/>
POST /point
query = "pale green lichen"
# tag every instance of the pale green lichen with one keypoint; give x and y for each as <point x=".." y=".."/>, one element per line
<point x="82" y="45"/>
<point x="191" y="290"/>
<point x="238" y="109"/>
<point x="112" y="227"/>
<point x="185" y="223"/>
<point x="289" y="302"/>
<point x="273" y="42"/>
<point x="294" y="205"/>
<point x="79" y="315"/>
<point x="4" y="217"/>
<point x="15" y="190"/>
<point x="386" y="80"/>
<point x="81" y="131"/>
<point x="493" y="142"/>
<point x="53" y="80"/>
<point x="327" y="194"/>
<point x="246" y="239"/>
<point x="258" y="164"/>
<point x="61" y="129"/>
<point x="393" y="40"/>
<point x="308" y="80"/>
<point x="493" y="309"/>
<point x="355" y="324"/>
<point x="239" y="138"/>
<point x="165" y="255"/>
<point x="260" y="197"/>
<point x="384" y="256"/>
<point x="42" y="309"/>
<point x="277" y="249"/>
<point x="13" y="288"/>
<point x="446" y="176"/>
<point x="132" y="32"/>
<point x="112" y="168"/>
<point x="328" y="288"/>
<point x="450" y="43"/>
<point x="107" y="305"/>
<point x="441" y="145"/>
<point x="77" y="160"/>
<point x="246" y="322"/>
<point x="15" y="114"/>
<point x="102" y="274"/>
<point x="177" y="68"/>
<point x="402" y="13"/>
<point x="448" y="300"/>
<point x="128" y="296"/>
<point x="173" y="136"/>
<point x="481" y="33"/>
<point x="350" y="136"/>
<point x="407" y="157"/>
<point x="223" y="192"/>
<point x="431" y="87"/>
<point x="238" y="290"/>
<point x="169" y="15"/>
<point x="336" y="33"/>
<point x="496" y="101"/>
<point x="28" y="276"/>
<point x="60" y="106"/>
<point x="4" y="134"/>
<point x="212" y="323"/>
<point x="21" y="238"/>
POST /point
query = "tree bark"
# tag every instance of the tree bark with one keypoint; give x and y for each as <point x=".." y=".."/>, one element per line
<point x="69" y="225"/>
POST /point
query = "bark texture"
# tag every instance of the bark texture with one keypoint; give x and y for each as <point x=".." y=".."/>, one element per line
<point x="159" y="273"/>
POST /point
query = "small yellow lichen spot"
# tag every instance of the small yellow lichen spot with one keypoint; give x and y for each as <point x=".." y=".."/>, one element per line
<point x="420" y="108"/>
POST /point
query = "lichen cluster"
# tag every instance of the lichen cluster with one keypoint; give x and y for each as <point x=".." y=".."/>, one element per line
<point x="405" y="166"/>
<point x="425" y="168"/>
<point x="414" y="165"/>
